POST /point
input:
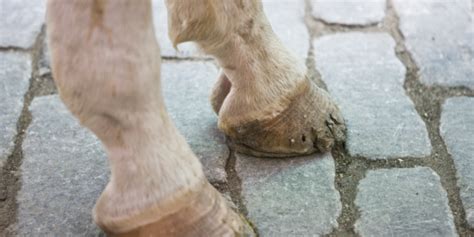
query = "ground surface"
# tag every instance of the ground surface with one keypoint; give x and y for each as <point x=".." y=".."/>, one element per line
<point x="401" y="71"/>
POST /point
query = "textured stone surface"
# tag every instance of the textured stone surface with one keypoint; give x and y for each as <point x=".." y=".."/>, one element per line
<point x="15" y="72"/>
<point x="287" y="20"/>
<point x="64" y="170"/>
<point x="187" y="87"/>
<point x="366" y="79"/>
<point x="349" y="12"/>
<point x="290" y="197"/>
<point x="403" y="202"/>
<point x="457" y="130"/>
<point x="21" y="22"/>
<point x="440" y="36"/>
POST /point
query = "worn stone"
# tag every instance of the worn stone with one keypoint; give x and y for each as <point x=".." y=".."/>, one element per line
<point x="403" y="202"/>
<point x="187" y="87"/>
<point x="349" y="12"/>
<point x="457" y="130"/>
<point x="15" y="72"/>
<point x="21" y="22"/>
<point x="439" y="35"/>
<point x="290" y="197"/>
<point x="64" y="170"/>
<point x="287" y="20"/>
<point x="366" y="79"/>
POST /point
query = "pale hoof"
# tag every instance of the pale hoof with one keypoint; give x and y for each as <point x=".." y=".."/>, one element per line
<point x="202" y="213"/>
<point x="311" y="123"/>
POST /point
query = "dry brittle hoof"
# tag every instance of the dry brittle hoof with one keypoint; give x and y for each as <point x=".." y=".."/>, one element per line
<point x="205" y="213"/>
<point x="311" y="123"/>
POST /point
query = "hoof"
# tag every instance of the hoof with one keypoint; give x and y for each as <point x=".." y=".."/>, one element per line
<point x="311" y="123"/>
<point x="195" y="213"/>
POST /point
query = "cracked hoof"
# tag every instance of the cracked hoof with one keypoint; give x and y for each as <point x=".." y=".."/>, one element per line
<point x="201" y="212"/>
<point x="311" y="123"/>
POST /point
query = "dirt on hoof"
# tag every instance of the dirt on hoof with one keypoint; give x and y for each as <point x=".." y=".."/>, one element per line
<point x="311" y="123"/>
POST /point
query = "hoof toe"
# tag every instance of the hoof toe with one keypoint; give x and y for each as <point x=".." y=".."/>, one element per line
<point x="311" y="123"/>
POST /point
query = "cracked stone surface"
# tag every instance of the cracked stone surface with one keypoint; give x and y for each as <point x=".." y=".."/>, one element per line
<point x="187" y="87"/>
<point x="21" y="22"/>
<point x="64" y="170"/>
<point x="15" y="71"/>
<point x="349" y="12"/>
<point x="290" y="197"/>
<point x="366" y="79"/>
<point x="403" y="202"/>
<point x="457" y="130"/>
<point x="439" y="35"/>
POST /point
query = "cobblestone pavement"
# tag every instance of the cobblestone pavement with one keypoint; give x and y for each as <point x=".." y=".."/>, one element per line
<point x="402" y="72"/>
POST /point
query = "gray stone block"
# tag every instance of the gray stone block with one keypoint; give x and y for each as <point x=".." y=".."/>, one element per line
<point x="64" y="170"/>
<point x="290" y="197"/>
<point x="457" y="130"/>
<point x="440" y="36"/>
<point x="349" y="12"/>
<point x="21" y="22"/>
<point x="366" y="79"/>
<point x="187" y="87"/>
<point x="15" y="72"/>
<point x="403" y="202"/>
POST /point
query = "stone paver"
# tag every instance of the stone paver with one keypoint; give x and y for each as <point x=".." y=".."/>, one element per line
<point x="15" y="72"/>
<point x="403" y="202"/>
<point x="457" y="130"/>
<point x="290" y="197"/>
<point x="187" y="87"/>
<point x="440" y="36"/>
<point x="366" y="79"/>
<point x="287" y="20"/>
<point x="64" y="170"/>
<point x="21" y="22"/>
<point x="349" y="12"/>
